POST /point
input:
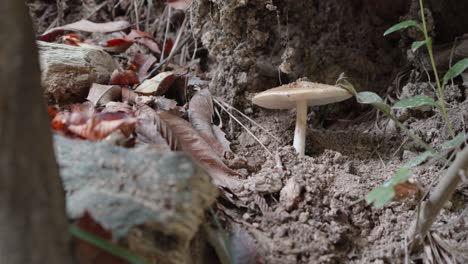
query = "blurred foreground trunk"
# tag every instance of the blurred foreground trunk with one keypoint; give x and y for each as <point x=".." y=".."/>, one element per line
<point x="33" y="227"/>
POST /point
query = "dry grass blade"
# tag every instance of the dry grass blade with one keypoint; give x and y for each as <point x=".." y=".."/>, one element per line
<point x="246" y="128"/>
<point x="218" y="101"/>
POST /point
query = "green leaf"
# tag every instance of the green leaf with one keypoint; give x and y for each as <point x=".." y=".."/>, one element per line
<point x="417" y="44"/>
<point x="414" y="102"/>
<point x="380" y="196"/>
<point x="368" y="98"/>
<point x="374" y="99"/>
<point x="401" y="175"/>
<point x="105" y="245"/>
<point x="455" y="70"/>
<point x="343" y="83"/>
<point x="454" y="142"/>
<point x="419" y="159"/>
<point x="403" y="25"/>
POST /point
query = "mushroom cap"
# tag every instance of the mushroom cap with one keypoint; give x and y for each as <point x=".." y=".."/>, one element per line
<point x="286" y="96"/>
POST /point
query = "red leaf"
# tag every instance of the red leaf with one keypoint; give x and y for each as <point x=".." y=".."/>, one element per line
<point x="71" y="39"/>
<point x="168" y="47"/>
<point x="128" y="77"/>
<point x="100" y="126"/>
<point x="119" y="45"/>
<point x="144" y="39"/>
<point x="142" y="64"/>
<point x="85" y="26"/>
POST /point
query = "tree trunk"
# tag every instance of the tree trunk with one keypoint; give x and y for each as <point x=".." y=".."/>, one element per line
<point x="33" y="226"/>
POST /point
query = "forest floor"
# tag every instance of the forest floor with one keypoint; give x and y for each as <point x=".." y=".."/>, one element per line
<point x="312" y="209"/>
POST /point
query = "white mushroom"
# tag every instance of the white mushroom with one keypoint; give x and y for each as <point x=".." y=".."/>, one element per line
<point x="300" y="95"/>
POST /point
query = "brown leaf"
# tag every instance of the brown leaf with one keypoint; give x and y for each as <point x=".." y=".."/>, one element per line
<point x="157" y="85"/>
<point x="85" y="26"/>
<point x="102" y="94"/>
<point x="201" y="116"/>
<point x="180" y="4"/>
<point x="191" y="142"/>
<point x="128" y="77"/>
<point x="143" y="63"/>
<point x="128" y="95"/>
<point x="146" y="40"/>
<point x="406" y="190"/>
<point x="150" y="130"/>
<point x="123" y="107"/>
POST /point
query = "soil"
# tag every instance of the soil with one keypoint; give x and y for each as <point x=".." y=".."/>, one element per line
<point x="329" y="222"/>
<point x="311" y="209"/>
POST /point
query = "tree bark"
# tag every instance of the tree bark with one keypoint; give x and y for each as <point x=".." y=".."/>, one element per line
<point x="33" y="226"/>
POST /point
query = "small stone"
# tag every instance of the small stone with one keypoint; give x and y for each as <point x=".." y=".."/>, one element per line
<point x="290" y="194"/>
<point x="246" y="216"/>
<point x="248" y="111"/>
<point x="303" y="217"/>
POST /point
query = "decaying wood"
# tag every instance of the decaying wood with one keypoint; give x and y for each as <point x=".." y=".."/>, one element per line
<point x="68" y="71"/>
<point x="163" y="195"/>
<point x="33" y="226"/>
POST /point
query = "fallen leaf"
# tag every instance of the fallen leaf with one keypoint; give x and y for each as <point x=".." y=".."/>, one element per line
<point x="406" y="190"/>
<point x="190" y="141"/>
<point x="102" y="125"/>
<point x="128" y="95"/>
<point x="201" y="117"/>
<point x="128" y="77"/>
<point x="123" y="107"/>
<point x="179" y="4"/>
<point x="118" y="45"/>
<point x="71" y="39"/>
<point x="150" y="130"/>
<point x="142" y="63"/>
<point x="102" y="94"/>
<point x="144" y="39"/>
<point x="85" y="26"/>
<point x="157" y="85"/>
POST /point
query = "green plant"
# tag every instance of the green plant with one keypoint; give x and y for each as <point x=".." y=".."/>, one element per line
<point x="106" y="246"/>
<point x="383" y="194"/>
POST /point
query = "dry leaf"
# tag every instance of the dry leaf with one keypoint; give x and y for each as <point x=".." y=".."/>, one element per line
<point x="149" y="129"/>
<point x="142" y="64"/>
<point x="128" y="77"/>
<point x="102" y="94"/>
<point x="406" y="190"/>
<point x="123" y="107"/>
<point x="146" y="40"/>
<point x="85" y="26"/>
<point x="201" y="116"/>
<point x="128" y="95"/>
<point x="103" y="124"/>
<point x="157" y="85"/>
<point x="118" y="45"/>
<point x="191" y="142"/>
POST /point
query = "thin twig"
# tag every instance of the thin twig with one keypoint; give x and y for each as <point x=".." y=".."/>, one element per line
<point x="439" y="196"/>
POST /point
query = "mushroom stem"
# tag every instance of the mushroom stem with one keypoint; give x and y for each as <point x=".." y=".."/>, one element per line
<point x="301" y="127"/>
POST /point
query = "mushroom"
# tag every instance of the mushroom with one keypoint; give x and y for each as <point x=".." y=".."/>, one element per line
<point x="300" y="95"/>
